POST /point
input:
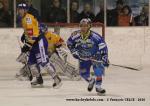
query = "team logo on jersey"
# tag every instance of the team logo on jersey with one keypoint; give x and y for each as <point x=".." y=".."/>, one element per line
<point x="28" y="20"/>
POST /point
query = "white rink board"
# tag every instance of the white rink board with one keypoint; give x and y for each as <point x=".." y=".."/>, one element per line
<point x="127" y="46"/>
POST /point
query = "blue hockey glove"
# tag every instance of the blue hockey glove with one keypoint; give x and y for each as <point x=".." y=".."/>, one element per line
<point x="102" y="57"/>
<point x="105" y="60"/>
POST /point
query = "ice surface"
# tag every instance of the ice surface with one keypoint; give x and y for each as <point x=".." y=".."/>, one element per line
<point x="119" y="83"/>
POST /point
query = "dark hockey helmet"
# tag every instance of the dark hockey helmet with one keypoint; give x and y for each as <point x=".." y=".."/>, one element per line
<point x="86" y="21"/>
<point x="43" y="28"/>
<point x="22" y="6"/>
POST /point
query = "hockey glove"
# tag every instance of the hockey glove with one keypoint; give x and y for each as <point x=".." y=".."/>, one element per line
<point x="25" y="48"/>
<point x="23" y="38"/>
<point x="105" y="60"/>
<point x="102" y="57"/>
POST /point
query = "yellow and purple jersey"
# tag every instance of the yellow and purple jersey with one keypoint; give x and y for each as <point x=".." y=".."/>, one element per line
<point x="54" y="40"/>
<point x="31" y="27"/>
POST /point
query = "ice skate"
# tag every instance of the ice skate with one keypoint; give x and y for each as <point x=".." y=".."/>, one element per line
<point x="100" y="91"/>
<point x="38" y="82"/>
<point x="57" y="82"/>
<point x="91" y="84"/>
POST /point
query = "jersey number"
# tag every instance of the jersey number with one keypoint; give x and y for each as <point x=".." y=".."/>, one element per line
<point x="28" y="20"/>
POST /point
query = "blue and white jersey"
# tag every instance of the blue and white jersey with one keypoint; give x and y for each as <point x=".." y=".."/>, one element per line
<point x="93" y="46"/>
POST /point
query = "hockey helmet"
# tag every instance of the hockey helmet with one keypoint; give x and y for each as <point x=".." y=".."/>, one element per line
<point x="22" y="6"/>
<point x="43" y="28"/>
<point x="86" y="21"/>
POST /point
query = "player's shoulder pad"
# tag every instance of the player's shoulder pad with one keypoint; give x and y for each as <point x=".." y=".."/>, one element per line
<point x="53" y="33"/>
<point x="75" y="34"/>
<point x="49" y="33"/>
<point x="100" y="39"/>
<point x="96" y="36"/>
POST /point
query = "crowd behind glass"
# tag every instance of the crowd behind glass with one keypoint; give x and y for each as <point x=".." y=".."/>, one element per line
<point x="118" y="12"/>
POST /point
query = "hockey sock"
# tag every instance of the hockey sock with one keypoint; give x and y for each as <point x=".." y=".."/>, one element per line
<point x="98" y="81"/>
<point x="50" y="69"/>
<point x="34" y="70"/>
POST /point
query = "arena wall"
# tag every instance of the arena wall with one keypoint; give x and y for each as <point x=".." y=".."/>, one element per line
<point x="127" y="45"/>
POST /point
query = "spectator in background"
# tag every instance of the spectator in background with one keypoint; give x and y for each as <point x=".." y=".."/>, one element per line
<point x="125" y="17"/>
<point x="112" y="15"/>
<point x="56" y="13"/>
<point x="4" y="16"/>
<point x="87" y="12"/>
<point x="100" y="16"/>
<point x="74" y="15"/>
<point x="143" y="18"/>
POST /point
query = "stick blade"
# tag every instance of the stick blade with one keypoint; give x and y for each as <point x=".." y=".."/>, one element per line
<point x="131" y="68"/>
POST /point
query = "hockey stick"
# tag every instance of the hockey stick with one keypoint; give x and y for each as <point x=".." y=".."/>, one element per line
<point x="127" y="67"/>
<point x="29" y="72"/>
<point x="131" y="68"/>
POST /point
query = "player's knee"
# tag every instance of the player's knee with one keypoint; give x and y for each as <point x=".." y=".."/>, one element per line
<point x="98" y="71"/>
<point x="34" y="70"/>
<point x="84" y="73"/>
<point x="42" y="62"/>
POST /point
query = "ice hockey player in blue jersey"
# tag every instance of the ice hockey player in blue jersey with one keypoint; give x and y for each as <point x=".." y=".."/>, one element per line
<point x="91" y="50"/>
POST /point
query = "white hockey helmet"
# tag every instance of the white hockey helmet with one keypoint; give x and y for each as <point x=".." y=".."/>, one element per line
<point x="22" y="6"/>
<point x="86" y="21"/>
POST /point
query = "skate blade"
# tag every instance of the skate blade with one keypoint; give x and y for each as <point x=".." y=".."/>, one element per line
<point x="77" y="78"/>
<point x="58" y="86"/>
<point x="101" y="94"/>
<point x="37" y="86"/>
<point x="21" y="78"/>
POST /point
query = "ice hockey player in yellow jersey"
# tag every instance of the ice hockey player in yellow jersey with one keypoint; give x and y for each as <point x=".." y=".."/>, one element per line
<point x="38" y="50"/>
<point x="31" y="29"/>
<point x="54" y="41"/>
<point x="58" y="54"/>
